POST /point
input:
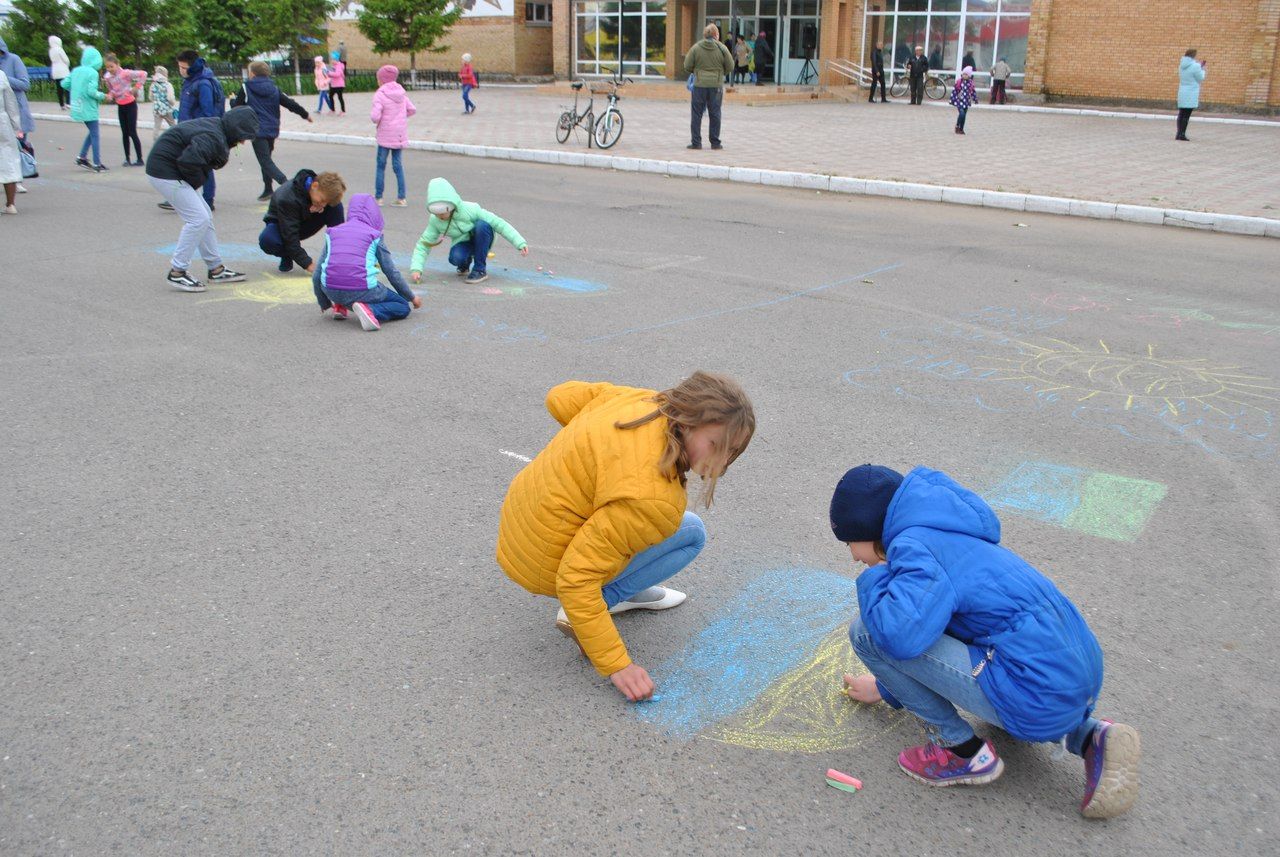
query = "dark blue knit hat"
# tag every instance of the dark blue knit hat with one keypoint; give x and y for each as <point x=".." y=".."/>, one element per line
<point x="860" y="502"/>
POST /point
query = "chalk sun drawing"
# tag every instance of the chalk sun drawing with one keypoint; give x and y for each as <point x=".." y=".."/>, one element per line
<point x="1000" y="360"/>
<point x="765" y="673"/>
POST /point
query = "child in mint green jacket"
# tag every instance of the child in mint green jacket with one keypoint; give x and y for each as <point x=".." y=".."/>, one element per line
<point x="85" y="99"/>
<point x="470" y="228"/>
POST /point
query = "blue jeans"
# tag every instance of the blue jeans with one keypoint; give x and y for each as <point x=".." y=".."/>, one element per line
<point x="91" y="139"/>
<point x="477" y="247"/>
<point x="209" y="188"/>
<point x="706" y="99"/>
<point x="932" y="684"/>
<point x="466" y="97"/>
<point x="661" y="562"/>
<point x="385" y="304"/>
<point x="397" y="167"/>
<point x="324" y="99"/>
<point x="964" y="111"/>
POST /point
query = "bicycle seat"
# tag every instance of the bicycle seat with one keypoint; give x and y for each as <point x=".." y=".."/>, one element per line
<point x="577" y="84"/>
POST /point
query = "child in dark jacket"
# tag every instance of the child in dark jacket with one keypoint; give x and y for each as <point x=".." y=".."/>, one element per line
<point x="177" y="166"/>
<point x="297" y="211"/>
<point x="950" y="618"/>
<point x="261" y="93"/>
<point x="346" y="274"/>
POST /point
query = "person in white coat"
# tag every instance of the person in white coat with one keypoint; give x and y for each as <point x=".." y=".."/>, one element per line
<point x="59" y="67"/>
<point x="10" y="133"/>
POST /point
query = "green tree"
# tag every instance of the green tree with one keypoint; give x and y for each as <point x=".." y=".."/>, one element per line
<point x="288" y="25"/>
<point x="407" y="25"/>
<point x="139" y="31"/>
<point x="32" y="23"/>
<point x="226" y="29"/>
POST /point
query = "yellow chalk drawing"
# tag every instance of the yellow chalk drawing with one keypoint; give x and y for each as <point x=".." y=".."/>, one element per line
<point x="1134" y="378"/>
<point x="274" y="290"/>
<point x="805" y="710"/>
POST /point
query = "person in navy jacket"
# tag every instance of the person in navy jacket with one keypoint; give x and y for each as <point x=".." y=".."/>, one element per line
<point x="949" y="618"/>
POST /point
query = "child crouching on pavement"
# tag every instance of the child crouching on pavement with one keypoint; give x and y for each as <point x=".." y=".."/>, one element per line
<point x="298" y="210"/>
<point x="469" y="226"/>
<point x="950" y="618"/>
<point x="346" y="274"/>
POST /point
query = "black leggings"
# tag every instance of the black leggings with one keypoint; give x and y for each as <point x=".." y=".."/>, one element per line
<point x="1184" y="116"/>
<point x="335" y="98"/>
<point x="129" y="127"/>
<point x="63" y="95"/>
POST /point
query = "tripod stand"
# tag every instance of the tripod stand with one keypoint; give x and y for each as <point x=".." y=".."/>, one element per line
<point x="808" y="74"/>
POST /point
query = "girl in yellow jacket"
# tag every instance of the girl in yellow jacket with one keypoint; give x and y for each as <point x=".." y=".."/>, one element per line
<point x="598" y="518"/>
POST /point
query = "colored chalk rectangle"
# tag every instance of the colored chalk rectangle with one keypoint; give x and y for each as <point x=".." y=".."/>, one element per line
<point x="1099" y="504"/>
<point x="772" y="626"/>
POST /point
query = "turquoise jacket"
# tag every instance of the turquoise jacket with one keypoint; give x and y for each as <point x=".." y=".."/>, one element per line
<point x="460" y="226"/>
<point x="1190" y="74"/>
<point x="83" y="86"/>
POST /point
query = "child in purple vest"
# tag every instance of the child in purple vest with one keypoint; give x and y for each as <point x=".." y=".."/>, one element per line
<point x="346" y="274"/>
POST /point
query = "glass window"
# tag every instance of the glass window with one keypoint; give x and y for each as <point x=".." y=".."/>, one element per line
<point x="943" y="42"/>
<point x="717" y="10"/>
<point x="910" y="33"/>
<point x="804" y="7"/>
<point x="948" y="5"/>
<point x="656" y="42"/>
<point x="980" y="41"/>
<point x="982" y="7"/>
<point x="769" y="8"/>
<point x="1012" y="43"/>
<point x="626" y="35"/>
<point x="913" y="5"/>
<point x="1015" y="5"/>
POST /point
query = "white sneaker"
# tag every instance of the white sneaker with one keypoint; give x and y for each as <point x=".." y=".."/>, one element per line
<point x="670" y="598"/>
<point x="21" y="189"/>
<point x="10" y="209"/>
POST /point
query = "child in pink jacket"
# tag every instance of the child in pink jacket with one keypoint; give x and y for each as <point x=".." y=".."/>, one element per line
<point x="337" y="83"/>
<point x="467" y="77"/>
<point x="391" y="111"/>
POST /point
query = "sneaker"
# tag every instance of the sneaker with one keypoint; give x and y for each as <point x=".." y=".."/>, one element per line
<point x="139" y="163"/>
<point x="463" y="270"/>
<point x="938" y="766"/>
<point x="265" y="196"/>
<point x="100" y="168"/>
<point x="378" y="200"/>
<point x="717" y="146"/>
<point x="339" y="312"/>
<point x="83" y="162"/>
<point x="477" y="277"/>
<point x="368" y="320"/>
<point x="21" y="188"/>
<point x="223" y="274"/>
<point x="181" y="281"/>
<point x="165" y="205"/>
<point x="11" y="209"/>
<point x="1111" y="770"/>
<point x="401" y="203"/>
<point x="563" y="626"/>
<point x="694" y="146"/>
<point x="285" y="266"/>
<point x="653" y="598"/>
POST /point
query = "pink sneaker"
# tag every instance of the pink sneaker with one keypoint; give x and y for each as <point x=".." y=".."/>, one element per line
<point x="938" y="766"/>
<point x="339" y="312"/>
<point x="368" y="320"/>
<point x="1111" y="770"/>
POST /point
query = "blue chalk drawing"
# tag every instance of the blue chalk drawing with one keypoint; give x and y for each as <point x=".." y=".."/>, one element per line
<point x="768" y="629"/>
<point x="1047" y="492"/>
<point x="744" y="308"/>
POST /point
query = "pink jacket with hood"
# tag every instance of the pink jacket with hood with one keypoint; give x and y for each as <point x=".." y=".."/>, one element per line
<point x="391" y="110"/>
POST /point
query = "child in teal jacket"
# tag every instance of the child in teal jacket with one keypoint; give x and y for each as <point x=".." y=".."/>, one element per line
<point x="470" y="228"/>
<point x="85" y="98"/>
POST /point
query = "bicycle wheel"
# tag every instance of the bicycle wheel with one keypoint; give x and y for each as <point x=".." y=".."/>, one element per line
<point x="899" y="87"/>
<point x="608" y="129"/>
<point x="564" y="126"/>
<point x="935" y="88"/>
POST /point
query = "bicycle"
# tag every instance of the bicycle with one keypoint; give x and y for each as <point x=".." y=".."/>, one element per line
<point x="608" y="128"/>
<point x="934" y="86"/>
<point x="571" y="120"/>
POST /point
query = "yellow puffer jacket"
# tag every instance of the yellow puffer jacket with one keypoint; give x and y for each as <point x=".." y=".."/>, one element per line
<point x="594" y="498"/>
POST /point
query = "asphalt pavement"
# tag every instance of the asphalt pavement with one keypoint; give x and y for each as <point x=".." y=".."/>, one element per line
<point x="251" y="604"/>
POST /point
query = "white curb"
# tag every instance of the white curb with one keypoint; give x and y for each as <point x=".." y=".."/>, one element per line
<point x="1235" y="224"/>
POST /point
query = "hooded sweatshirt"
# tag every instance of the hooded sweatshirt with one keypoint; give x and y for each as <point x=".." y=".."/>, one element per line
<point x="188" y="150"/>
<point x="83" y="86"/>
<point x="709" y="61"/>
<point x="355" y="252"/>
<point x="289" y="206"/>
<point x="16" y="71"/>
<point x="266" y="99"/>
<point x="59" y="63"/>
<point x="391" y="110"/>
<point x="946" y="573"/>
<point x="458" y="228"/>
<point x="201" y="94"/>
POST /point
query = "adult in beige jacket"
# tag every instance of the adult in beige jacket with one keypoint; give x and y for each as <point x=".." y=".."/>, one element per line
<point x="709" y="62"/>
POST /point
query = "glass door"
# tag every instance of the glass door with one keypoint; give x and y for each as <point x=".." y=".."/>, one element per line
<point x="798" y="52"/>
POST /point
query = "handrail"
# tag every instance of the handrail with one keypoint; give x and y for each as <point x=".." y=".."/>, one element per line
<point x="851" y="70"/>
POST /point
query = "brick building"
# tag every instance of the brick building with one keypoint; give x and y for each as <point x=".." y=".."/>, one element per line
<point x="1100" y="50"/>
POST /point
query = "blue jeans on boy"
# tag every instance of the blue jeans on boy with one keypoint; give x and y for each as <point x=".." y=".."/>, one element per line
<point x="476" y="247"/>
<point x="385" y="304"/>
<point x="91" y="139"/>
<point x="658" y="563"/>
<point x="397" y="167"/>
<point x="467" y="106"/>
<point x="932" y="684"/>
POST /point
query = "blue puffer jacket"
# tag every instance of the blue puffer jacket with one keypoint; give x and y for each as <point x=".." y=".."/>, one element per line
<point x="201" y="95"/>
<point x="1037" y="660"/>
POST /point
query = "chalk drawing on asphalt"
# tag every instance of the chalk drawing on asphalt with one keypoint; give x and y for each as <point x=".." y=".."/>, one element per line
<point x="1107" y="505"/>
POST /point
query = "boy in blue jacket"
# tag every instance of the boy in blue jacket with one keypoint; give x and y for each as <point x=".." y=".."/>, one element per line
<point x="950" y="618"/>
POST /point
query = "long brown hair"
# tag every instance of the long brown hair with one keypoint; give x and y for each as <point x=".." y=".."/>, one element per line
<point x="704" y="398"/>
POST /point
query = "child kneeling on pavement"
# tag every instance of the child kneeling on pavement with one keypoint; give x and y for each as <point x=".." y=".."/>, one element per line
<point x="298" y="210"/>
<point x="177" y="166"/>
<point x="950" y="618"/>
<point x="346" y="274"/>
<point x="469" y="226"/>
